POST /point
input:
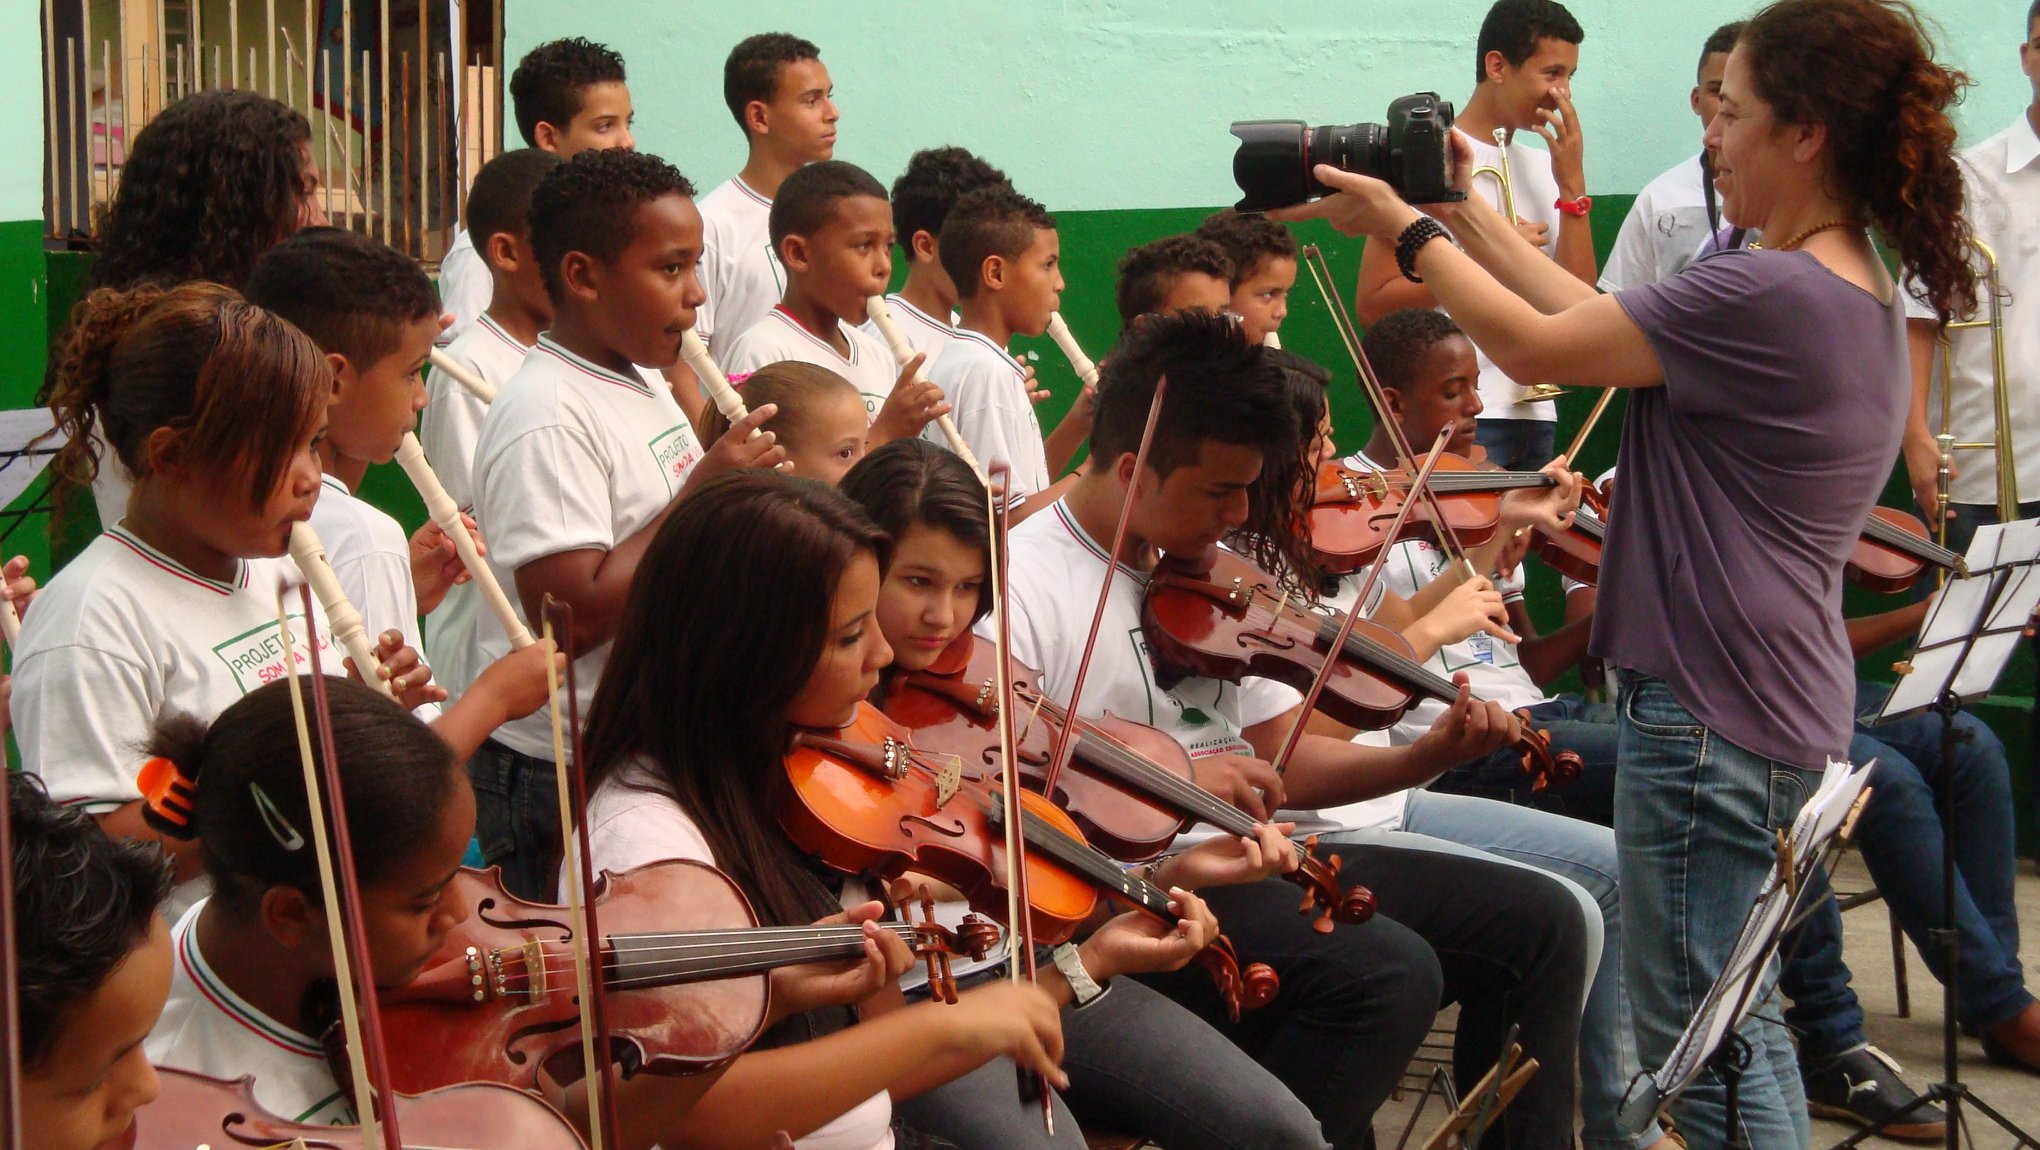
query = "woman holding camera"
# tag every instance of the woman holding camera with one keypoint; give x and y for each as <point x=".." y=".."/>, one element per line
<point x="1770" y="392"/>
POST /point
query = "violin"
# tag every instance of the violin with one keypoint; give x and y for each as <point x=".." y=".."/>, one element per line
<point x="194" y="1111"/>
<point x="1129" y="787"/>
<point x="866" y="800"/>
<point x="1218" y="616"/>
<point x="1576" y="551"/>
<point x="682" y="959"/>
<point x="1894" y="550"/>
<point x="1352" y="510"/>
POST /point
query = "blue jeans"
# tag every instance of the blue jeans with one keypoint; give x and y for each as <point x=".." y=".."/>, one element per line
<point x="1518" y="444"/>
<point x="1574" y="724"/>
<point x="1695" y="818"/>
<point x="517" y="819"/>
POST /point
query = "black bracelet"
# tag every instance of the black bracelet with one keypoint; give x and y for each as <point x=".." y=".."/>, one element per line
<point x="1421" y="231"/>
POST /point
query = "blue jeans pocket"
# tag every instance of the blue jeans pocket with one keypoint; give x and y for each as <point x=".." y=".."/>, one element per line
<point x="1651" y="708"/>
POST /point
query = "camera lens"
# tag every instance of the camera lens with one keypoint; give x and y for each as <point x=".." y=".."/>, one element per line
<point x="1272" y="164"/>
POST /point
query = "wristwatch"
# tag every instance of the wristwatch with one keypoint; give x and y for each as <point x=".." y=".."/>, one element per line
<point x="1071" y="963"/>
<point x="1579" y="207"/>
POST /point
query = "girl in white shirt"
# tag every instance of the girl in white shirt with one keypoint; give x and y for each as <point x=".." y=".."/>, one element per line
<point x="821" y="421"/>
<point x="686" y="742"/>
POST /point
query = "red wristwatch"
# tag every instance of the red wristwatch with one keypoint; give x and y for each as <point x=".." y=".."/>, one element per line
<point x="1579" y="207"/>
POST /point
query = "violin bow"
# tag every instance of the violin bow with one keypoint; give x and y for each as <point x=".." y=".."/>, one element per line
<point x="1353" y="610"/>
<point x="1579" y="440"/>
<point x="10" y="1018"/>
<point x="1019" y="912"/>
<point x="1377" y="398"/>
<point x="360" y="1018"/>
<point x="557" y="619"/>
<point x="1064" y="741"/>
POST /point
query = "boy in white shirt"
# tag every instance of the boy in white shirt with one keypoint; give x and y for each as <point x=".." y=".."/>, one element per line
<point x="925" y="306"/>
<point x="832" y="227"/>
<point x="1523" y="65"/>
<point x="581" y="455"/>
<point x="567" y="96"/>
<point x="1172" y="274"/>
<point x="780" y="93"/>
<point x="1263" y="257"/>
<point x="1676" y="212"/>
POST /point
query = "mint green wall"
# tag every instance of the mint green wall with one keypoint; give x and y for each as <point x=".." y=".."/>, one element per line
<point x="21" y="130"/>
<point x="1096" y="104"/>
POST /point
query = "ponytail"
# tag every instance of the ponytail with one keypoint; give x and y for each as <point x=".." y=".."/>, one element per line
<point x="1865" y="69"/>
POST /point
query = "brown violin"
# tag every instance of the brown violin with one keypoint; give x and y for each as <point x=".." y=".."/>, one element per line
<point x="1576" y="551"/>
<point x="1353" y="511"/>
<point x="194" y="1112"/>
<point x="1894" y="550"/>
<point x="1129" y="787"/>
<point x="866" y="800"/>
<point x="1218" y="616"/>
<point x="682" y="959"/>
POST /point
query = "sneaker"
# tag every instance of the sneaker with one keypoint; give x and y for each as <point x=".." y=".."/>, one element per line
<point x="1863" y="1086"/>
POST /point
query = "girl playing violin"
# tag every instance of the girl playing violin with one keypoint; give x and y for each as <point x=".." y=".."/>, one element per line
<point x="216" y="408"/>
<point x="822" y="435"/>
<point x="1136" y="1060"/>
<point x="695" y="714"/>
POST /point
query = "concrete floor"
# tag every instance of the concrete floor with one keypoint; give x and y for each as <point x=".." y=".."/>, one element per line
<point x="1915" y="1042"/>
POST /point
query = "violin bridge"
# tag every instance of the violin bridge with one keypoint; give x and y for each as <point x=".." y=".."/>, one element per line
<point x="948" y="777"/>
<point x="519" y="970"/>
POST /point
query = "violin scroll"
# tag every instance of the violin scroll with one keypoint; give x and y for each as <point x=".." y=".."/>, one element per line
<point x="1544" y="768"/>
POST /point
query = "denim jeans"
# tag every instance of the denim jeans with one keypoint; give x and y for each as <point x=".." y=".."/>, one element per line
<point x="1695" y="819"/>
<point x="1518" y="444"/>
<point x="517" y="819"/>
<point x="1574" y="724"/>
<point x="1137" y="1063"/>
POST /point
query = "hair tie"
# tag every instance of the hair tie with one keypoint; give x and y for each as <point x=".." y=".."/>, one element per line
<point x="736" y="378"/>
<point x="167" y="797"/>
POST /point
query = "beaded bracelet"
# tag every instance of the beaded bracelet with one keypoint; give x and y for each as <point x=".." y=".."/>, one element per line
<point x="1421" y="231"/>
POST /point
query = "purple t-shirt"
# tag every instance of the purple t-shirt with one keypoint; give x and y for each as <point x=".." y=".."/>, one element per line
<point x="1746" y="480"/>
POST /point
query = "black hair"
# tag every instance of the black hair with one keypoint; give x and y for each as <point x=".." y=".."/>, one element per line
<point x="907" y="483"/>
<point x="1221" y="388"/>
<point x="752" y="70"/>
<point x="242" y="789"/>
<point x="1304" y="383"/>
<point x="83" y="902"/>
<point x="807" y="199"/>
<point x="700" y="696"/>
<point x="499" y="201"/>
<point x="350" y="293"/>
<point x="548" y="85"/>
<point x="1721" y="41"/>
<point x="1398" y="342"/>
<point x="992" y="221"/>
<point x="210" y="184"/>
<point x="1513" y="28"/>
<point x="1146" y="272"/>
<point x="1247" y="241"/>
<point x="934" y="180"/>
<point x="589" y="204"/>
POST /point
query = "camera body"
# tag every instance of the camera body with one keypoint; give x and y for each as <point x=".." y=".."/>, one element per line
<point x="1411" y="150"/>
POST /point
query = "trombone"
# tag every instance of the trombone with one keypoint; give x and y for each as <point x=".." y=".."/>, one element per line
<point x="1536" y="392"/>
<point x="2000" y="442"/>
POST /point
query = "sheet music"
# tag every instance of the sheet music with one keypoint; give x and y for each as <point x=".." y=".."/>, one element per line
<point x="18" y="465"/>
<point x="1973" y="625"/>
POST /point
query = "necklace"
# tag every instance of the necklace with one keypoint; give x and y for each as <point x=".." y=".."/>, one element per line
<point x="1804" y="236"/>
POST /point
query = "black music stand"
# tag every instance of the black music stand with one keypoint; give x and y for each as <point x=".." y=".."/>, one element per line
<point x="1710" y="1040"/>
<point x="1972" y="627"/>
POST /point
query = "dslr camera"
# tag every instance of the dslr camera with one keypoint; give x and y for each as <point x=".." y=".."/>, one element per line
<point x="1411" y="151"/>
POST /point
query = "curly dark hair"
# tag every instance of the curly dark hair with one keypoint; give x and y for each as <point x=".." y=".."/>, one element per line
<point x="1398" y="342"/>
<point x="934" y="180"/>
<point x="213" y="182"/>
<point x="807" y="199"/>
<point x="1247" y="240"/>
<point x="83" y="902"/>
<point x="1221" y="388"/>
<point x="548" y="84"/>
<point x="992" y="221"/>
<point x="1146" y="272"/>
<point x="351" y="294"/>
<point x="752" y="70"/>
<point x="1513" y="28"/>
<point x="589" y="204"/>
<point x="1865" y="69"/>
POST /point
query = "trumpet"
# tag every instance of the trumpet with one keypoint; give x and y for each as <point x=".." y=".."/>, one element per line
<point x="1536" y="392"/>
<point x="2000" y="442"/>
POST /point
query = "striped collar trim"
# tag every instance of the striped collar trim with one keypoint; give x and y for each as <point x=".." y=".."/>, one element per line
<point x="234" y="1007"/>
<point x="496" y="329"/>
<point x="334" y="484"/>
<point x="756" y="196"/>
<point x="587" y="368"/>
<point x="780" y="313"/>
<point x="984" y="341"/>
<point x="901" y="304"/>
<point x="171" y="566"/>
<point x="1083" y="538"/>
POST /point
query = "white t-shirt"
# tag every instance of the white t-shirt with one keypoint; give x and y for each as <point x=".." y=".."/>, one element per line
<point x="992" y="410"/>
<point x="208" y="1029"/>
<point x="739" y="269"/>
<point x="125" y="634"/>
<point x="371" y="556"/>
<point x="778" y="337"/>
<point x="2001" y="180"/>
<point x="572" y="457"/>
<point x="465" y="286"/>
<point x="630" y="825"/>
<point x="1663" y="230"/>
<point x="923" y="331"/>
<point x="1536" y="196"/>
<point x="451" y="426"/>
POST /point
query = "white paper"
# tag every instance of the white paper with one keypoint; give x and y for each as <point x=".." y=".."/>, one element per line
<point x="18" y="465"/>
